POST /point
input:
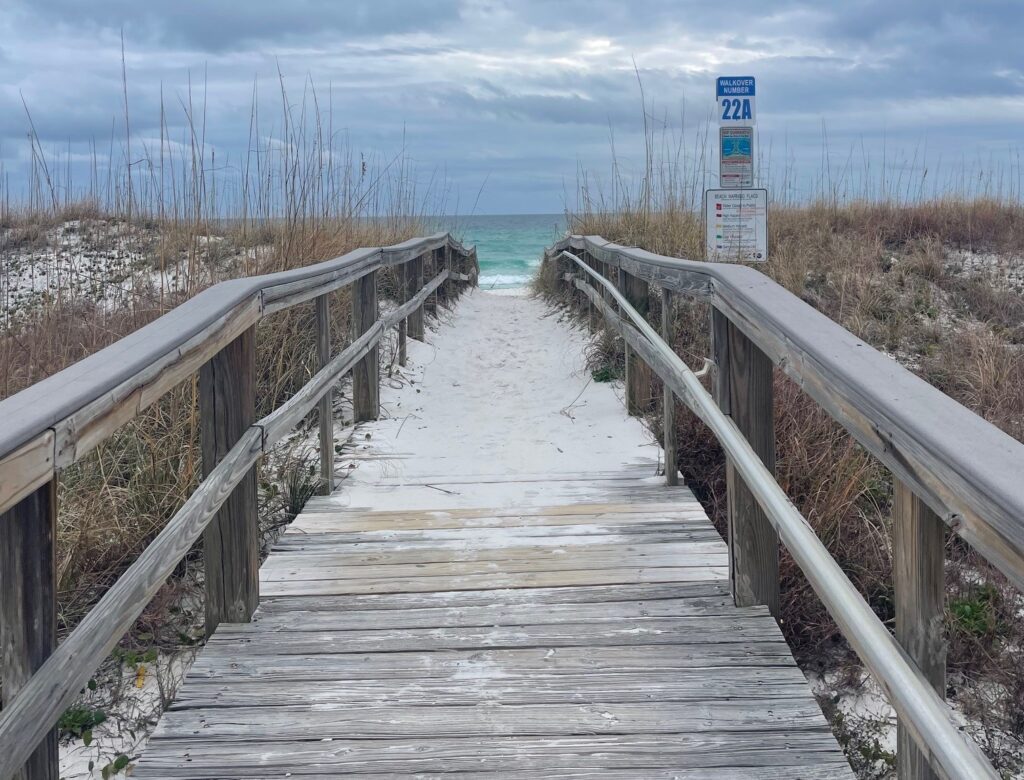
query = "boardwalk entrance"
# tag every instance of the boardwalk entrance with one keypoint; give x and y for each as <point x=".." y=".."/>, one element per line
<point x="503" y="581"/>
<point x="468" y="602"/>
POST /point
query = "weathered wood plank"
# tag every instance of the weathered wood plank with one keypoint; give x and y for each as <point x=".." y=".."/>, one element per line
<point x="508" y="598"/>
<point x="544" y="579"/>
<point x="28" y="609"/>
<point x="627" y="552"/>
<point x="415" y="281"/>
<point x="25" y="470"/>
<point x="496" y="687"/>
<point x="326" y="405"/>
<point x="482" y="539"/>
<point x="366" y="374"/>
<point x="689" y="753"/>
<point x="919" y="553"/>
<point x="502" y="614"/>
<point x="676" y="631"/>
<point x="231" y="547"/>
<point x="219" y="663"/>
<point x="638" y="374"/>
<point x="272" y="724"/>
<point x="669" y="443"/>
<point x="744" y="392"/>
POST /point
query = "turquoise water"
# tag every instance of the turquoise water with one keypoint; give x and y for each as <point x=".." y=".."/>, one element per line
<point x="509" y="246"/>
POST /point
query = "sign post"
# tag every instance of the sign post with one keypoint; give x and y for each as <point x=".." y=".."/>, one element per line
<point x="736" y="216"/>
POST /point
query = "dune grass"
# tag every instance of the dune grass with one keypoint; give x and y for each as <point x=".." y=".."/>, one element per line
<point x="937" y="284"/>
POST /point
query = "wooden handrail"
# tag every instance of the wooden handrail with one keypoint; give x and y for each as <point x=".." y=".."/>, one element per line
<point x="56" y="421"/>
<point x="212" y="331"/>
<point x="963" y="467"/>
<point x="922" y="713"/>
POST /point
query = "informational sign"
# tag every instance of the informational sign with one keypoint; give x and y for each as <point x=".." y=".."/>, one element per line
<point x="736" y="157"/>
<point x="736" y="226"/>
<point x="736" y="95"/>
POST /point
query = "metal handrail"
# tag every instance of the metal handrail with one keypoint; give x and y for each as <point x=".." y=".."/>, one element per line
<point x="925" y="714"/>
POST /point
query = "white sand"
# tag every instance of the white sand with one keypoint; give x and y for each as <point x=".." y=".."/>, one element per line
<point x="500" y="389"/>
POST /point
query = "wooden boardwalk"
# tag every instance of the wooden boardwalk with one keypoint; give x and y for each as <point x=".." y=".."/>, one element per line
<point x="587" y="632"/>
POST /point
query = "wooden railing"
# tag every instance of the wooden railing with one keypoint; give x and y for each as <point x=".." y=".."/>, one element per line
<point x="951" y="467"/>
<point x="57" y="421"/>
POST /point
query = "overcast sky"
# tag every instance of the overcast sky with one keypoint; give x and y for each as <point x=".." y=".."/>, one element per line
<point x="514" y="96"/>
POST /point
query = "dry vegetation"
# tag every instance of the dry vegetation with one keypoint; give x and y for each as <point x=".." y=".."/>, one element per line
<point x="82" y="267"/>
<point x="938" y="286"/>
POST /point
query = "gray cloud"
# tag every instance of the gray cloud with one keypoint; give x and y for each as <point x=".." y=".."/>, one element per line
<point x="522" y="91"/>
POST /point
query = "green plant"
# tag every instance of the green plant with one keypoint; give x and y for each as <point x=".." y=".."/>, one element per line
<point x="119" y="764"/>
<point x="975" y="614"/>
<point x="78" y="722"/>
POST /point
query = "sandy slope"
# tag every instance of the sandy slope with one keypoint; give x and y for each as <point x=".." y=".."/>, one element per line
<point x="499" y="388"/>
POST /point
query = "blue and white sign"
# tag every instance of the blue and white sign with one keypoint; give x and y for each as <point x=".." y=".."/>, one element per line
<point x="736" y="96"/>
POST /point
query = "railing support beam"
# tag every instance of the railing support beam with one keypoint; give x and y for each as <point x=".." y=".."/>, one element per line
<point x="326" y="405"/>
<point x="919" y="582"/>
<point x="366" y="374"/>
<point x="28" y="608"/>
<point x="430" y="305"/>
<point x="413" y="284"/>
<point x="231" y="546"/>
<point x="743" y="390"/>
<point x="669" y="399"/>
<point x="638" y="375"/>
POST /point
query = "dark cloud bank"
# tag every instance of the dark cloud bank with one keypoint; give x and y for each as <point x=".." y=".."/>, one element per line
<point x="526" y="93"/>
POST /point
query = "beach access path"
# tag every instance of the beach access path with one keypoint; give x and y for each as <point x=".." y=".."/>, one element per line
<point x="501" y="585"/>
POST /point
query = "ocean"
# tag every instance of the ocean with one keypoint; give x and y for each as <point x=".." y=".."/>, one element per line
<point x="509" y="246"/>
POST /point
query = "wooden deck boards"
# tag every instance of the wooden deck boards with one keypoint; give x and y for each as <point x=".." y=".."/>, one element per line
<point x="587" y="633"/>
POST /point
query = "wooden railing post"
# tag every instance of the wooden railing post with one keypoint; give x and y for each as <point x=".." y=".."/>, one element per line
<point x="669" y="399"/>
<point x="919" y="581"/>
<point x="28" y="607"/>
<point x="414" y="283"/>
<point x="366" y="374"/>
<point x="449" y="285"/>
<point x="403" y="324"/>
<point x="638" y="375"/>
<point x="743" y="390"/>
<point x="595" y="319"/>
<point x="326" y="405"/>
<point x="231" y="545"/>
<point x="431" y="271"/>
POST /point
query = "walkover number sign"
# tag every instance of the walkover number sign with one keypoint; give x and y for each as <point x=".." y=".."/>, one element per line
<point x="736" y="100"/>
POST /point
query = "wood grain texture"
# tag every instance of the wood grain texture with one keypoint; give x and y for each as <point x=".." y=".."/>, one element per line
<point x="231" y="547"/>
<point x="28" y="609"/>
<point x="669" y="443"/>
<point x="638" y="375"/>
<point x="415" y="278"/>
<point x="326" y="405"/>
<point x="744" y="392"/>
<point x="366" y="374"/>
<point x="27" y="469"/>
<point x="489" y="642"/>
<point x="919" y="553"/>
